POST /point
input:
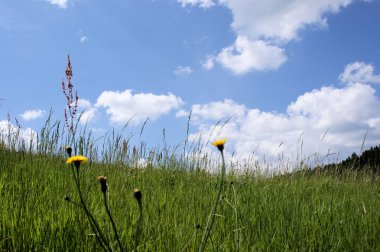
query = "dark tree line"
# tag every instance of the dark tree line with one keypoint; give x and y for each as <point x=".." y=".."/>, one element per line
<point x="367" y="160"/>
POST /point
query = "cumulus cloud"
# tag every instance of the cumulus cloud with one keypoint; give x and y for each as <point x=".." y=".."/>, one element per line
<point x="263" y="27"/>
<point x="279" y="20"/>
<point x="14" y="136"/>
<point x="88" y="111"/>
<point x="125" y="106"/>
<point x="317" y="124"/>
<point x="359" y="72"/>
<point x="32" y="114"/>
<point x="61" y="3"/>
<point x="246" y="55"/>
<point x="201" y="3"/>
<point x="183" y="70"/>
<point x="219" y="110"/>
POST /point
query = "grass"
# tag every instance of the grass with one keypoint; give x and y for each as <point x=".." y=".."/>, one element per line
<point x="300" y="211"/>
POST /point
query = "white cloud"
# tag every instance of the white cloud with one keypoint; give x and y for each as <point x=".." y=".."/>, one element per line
<point x="318" y="123"/>
<point x="359" y="72"/>
<point x="277" y="19"/>
<point x="83" y="39"/>
<point x="13" y="136"/>
<point x="246" y="55"/>
<point x="220" y="110"/>
<point x="263" y="27"/>
<point x="202" y="3"/>
<point x="61" y="3"/>
<point x="337" y="109"/>
<point x="126" y="106"/>
<point x="181" y="70"/>
<point x="32" y="114"/>
<point x="87" y="110"/>
<point x="208" y="64"/>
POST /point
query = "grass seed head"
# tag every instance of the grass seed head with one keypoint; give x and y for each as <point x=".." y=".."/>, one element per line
<point x="103" y="183"/>
<point x="69" y="150"/>
<point x="137" y="194"/>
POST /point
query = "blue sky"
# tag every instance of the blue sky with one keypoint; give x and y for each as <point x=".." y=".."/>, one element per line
<point x="287" y="74"/>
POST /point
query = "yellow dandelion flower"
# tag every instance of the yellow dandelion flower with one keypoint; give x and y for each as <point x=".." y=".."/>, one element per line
<point x="219" y="143"/>
<point x="76" y="160"/>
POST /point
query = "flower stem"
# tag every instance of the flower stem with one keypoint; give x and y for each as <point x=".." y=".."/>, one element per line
<point x="211" y="217"/>
<point x="112" y="222"/>
<point x="138" y="226"/>
<point x="94" y="225"/>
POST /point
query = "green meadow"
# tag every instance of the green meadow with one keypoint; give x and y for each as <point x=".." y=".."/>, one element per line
<point x="302" y="211"/>
<point x="113" y="195"/>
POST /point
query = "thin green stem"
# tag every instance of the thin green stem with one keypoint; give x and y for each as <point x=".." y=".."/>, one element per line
<point x="112" y="222"/>
<point x="94" y="225"/>
<point x="237" y="239"/>
<point x="211" y="217"/>
<point x="138" y="225"/>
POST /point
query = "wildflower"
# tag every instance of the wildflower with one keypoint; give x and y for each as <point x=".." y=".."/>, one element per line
<point x="103" y="183"/>
<point x="76" y="160"/>
<point x="211" y="218"/>
<point x="137" y="194"/>
<point x="220" y="144"/>
<point x="68" y="150"/>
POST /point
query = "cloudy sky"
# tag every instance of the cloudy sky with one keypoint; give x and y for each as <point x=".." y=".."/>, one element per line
<point x="274" y="77"/>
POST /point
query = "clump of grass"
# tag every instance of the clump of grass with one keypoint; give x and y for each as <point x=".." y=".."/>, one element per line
<point x="303" y="210"/>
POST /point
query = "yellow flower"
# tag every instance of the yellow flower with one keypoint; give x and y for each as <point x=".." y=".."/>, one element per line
<point x="76" y="160"/>
<point x="219" y="143"/>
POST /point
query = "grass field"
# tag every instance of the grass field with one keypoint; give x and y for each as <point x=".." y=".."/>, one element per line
<point x="302" y="211"/>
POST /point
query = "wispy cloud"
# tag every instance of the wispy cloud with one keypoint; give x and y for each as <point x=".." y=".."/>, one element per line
<point x="359" y="72"/>
<point x="32" y="114"/>
<point x="208" y="64"/>
<point x="83" y="39"/>
<point x="183" y="70"/>
<point x="201" y="3"/>
<point x="60" y="3"/>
